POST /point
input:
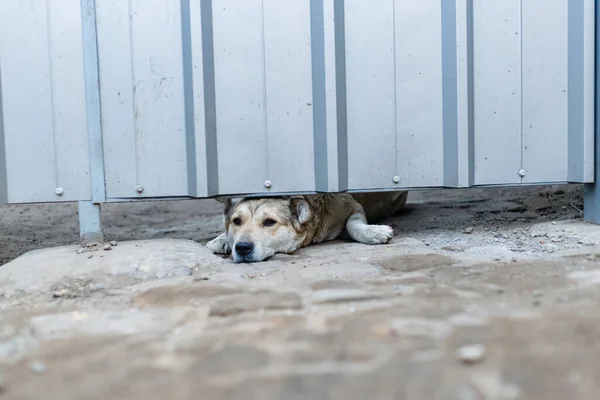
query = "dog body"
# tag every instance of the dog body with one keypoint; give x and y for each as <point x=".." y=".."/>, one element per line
<point x="258" y="228"/>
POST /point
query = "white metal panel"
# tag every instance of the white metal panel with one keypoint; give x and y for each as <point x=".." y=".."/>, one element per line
<point x="590" y="20"/>
<point x="240" y="91"/>
<point x="497" y="91"/>
<point x="545" y="85"/>
<point x="419" y="116"/>
<point x="141" y="68"/>
<point x="69" y="99"/>
<point x="117" y="102"/>
<point x="370" y="81"/>
<point x="334" y="59"/>
<point x="43" y="100"/>
<point x="198" y="93"/>
<point x="289" y="96"/>
<point x="464" y="93"/>
<point x="200" y="98"/>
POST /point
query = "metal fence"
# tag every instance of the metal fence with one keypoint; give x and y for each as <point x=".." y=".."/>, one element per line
<point x="115" y="100"/>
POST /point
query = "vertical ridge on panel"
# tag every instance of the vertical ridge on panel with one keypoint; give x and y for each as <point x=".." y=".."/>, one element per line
<point x="116" y="97"/>
<point x="341" y="109"/>
<point x="464" y="93"/>
<point x="450" y="128"/>
<point x="72" y="157"/>
<point x="424" y="71"/>
<point x="575" y="89"/>
<point x="581" y="90"/>
<point x="589" y="89"/>
<point x="188" y="94"/>
<point x="497" y="91"/>
<point x="319" y="91"/>
<point x="239" y="96"/>
<point x="200" y="20"/>
<point x="544" y="88"/>
<point x="159" y="110"/>
<point x="295" y="104"/>
<point x="330" y="98"/>
<point x="370" y="89"/>
<point x="3" y="171"/>
<point x="27" y="103"/>
<point x="204" y="88"/>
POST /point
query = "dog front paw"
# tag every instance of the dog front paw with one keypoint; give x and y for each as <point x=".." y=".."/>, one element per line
<point x="377" y="234"/>
<point x="219" y="245"/>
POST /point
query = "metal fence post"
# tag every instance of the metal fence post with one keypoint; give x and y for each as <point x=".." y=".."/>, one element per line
<point x="592" y="190"/>
<point x="90" y="224"/>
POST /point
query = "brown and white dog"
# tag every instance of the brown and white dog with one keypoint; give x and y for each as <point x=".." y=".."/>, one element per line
<point x="258" y="228"/>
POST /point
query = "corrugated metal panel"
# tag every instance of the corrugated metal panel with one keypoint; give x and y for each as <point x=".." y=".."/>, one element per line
<point x="200" y="98"/>
<point x="533" y="97"/>
<point x="43" y="101"/>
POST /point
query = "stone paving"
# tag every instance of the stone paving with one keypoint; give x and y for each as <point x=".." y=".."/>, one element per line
<point x="506" y="310"/>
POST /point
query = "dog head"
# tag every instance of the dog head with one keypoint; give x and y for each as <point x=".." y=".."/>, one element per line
<point x="257" y="228"/>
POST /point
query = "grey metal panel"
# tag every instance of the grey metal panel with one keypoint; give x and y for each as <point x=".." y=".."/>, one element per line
<point x="545" y="86"/>
<point x="143" y="102"/>
<point x="295" y="110"/>
<point x="117" y="102"/>
<point x="263" y="87"/>
<point x="43" y="100"/>
<point x="341" y="104"/>
<point x="370" y="90"/>
<point x="395" y="105"/>
<point x="591" y="207"/>
<point x="580" y="90"/>
<point x="332" y="162"/>
<point x="497" y="91"/>
<point x="464" y="97"/>
<point x="3" y="171"/>
<point x="240" y="91"/>
<point x="201" y="99"/>
<point x="421" y="117"/>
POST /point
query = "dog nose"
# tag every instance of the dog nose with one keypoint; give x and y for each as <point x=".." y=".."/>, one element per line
<point x="244" y="248"/>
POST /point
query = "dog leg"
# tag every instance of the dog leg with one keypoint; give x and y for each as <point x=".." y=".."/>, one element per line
<point x="219" y="245"/>
<point x="362" y="232"/>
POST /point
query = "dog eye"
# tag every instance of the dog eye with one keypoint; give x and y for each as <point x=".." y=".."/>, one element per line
<point x="269" y="222"/>
<point x="237" y="221"/>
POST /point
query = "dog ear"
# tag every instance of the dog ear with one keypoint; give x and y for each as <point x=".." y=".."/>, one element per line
<point x="301" y="210"/>
<point x="228" y="203"/>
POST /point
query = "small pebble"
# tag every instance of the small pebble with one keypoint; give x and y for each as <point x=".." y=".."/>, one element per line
<point x="97" y="286"/>
<point x="60" y="293"/>
<point x="471" y="354"/>
<point x="107" y="247"/>
<point x="536" y="293"/>
<point x="453" y="248"/>
<point x="536" y="302"/>
<point x="469" y="229"/>
<point x="90" y="256"/>
<point x="186" y="271"/>
<point x="113" y="243"/>
<point x="37" y="367"/>
<point x="79" y="251"/>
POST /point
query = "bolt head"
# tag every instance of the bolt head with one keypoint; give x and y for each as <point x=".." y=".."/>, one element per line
<point x="268" y="184"/>
<point x="522" y="173"/>
<point x="139" y="189"/>
<point x="396" y="180"/>
<point x="59" y="191"/>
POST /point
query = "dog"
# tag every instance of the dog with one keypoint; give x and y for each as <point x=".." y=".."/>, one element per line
<point x="258" y="228"/>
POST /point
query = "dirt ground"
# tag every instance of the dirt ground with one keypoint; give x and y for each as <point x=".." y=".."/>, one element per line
<point x="482" y="294"/>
